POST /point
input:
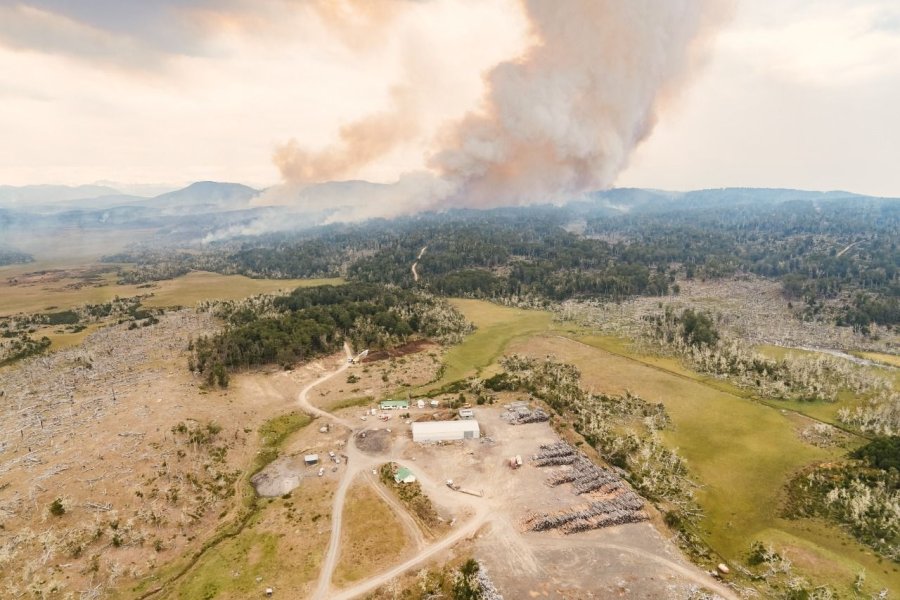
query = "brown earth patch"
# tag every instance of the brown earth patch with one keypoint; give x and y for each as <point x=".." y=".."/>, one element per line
<point x="407" y="348"/>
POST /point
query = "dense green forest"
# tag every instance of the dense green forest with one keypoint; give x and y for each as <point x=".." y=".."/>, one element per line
<point x="838" y="249"/>
<point x="311" y="322"/>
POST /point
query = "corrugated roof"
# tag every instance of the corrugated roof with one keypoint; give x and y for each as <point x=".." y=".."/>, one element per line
<point x="435" y="426"/>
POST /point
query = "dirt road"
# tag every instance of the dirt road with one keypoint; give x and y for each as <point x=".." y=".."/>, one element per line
<point x="303" y="397"/>
<point x="844" y="251"/>
<point x="358" y="462"/>
<point x="416" y="264"/>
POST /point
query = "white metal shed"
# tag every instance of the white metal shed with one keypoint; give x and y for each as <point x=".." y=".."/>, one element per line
<point x="439" y="431"/>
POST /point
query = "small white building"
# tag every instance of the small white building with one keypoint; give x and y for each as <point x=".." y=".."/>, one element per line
<point x="420" y="403"/>
<point x="441" y="431"/>
<point x="311" y="459"/>
<point x="466" y="413"/>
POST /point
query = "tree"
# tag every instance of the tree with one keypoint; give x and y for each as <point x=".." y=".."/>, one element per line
<point x="697" y="329"/>
<point x="466" y="586"/>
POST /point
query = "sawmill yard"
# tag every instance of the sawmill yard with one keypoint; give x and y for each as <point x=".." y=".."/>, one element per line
<point x="123" y="475"/>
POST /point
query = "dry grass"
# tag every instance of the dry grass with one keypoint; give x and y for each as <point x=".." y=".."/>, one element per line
<point x="888" y="359"/>
<point x="95" y="284"/>
<point x="197" y="286"/>
<point x="372" y="537"/>
<point x="282" y="548"/>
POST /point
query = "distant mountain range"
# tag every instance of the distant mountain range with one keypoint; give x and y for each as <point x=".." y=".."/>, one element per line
<point x="202" y="196"/>
<point x="28" y="195"/>
<point x="216" y="210"/>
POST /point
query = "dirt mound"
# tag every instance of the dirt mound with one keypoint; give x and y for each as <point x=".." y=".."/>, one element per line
<point x="278" y="478"/>
<point x="374" y="441"/>
<point x="408" y="348"/>
<point x="440" y="415"/>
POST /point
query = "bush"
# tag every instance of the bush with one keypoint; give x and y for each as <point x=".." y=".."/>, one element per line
<point x="65" y="317"/>
<point x="56" y="508"/>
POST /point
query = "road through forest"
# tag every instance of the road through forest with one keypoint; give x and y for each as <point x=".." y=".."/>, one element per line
<point x="416" y="264"/>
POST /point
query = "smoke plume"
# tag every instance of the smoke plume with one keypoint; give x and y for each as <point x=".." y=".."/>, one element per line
<point x="361" y="142"/>
<point x="560" y="120"/>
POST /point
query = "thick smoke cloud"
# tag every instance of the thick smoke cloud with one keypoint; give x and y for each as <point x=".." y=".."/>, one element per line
<point x="558" y="121"/>
<point x="565" y="118"/>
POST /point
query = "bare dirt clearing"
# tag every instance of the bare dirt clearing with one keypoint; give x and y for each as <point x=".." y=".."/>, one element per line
<point x="374" y="441"/>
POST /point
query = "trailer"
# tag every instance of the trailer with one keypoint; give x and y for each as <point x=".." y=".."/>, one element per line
<point x="457" y="488"/>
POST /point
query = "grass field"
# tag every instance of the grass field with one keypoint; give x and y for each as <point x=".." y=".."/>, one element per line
<point x="282" y="546"/>
<point x="780" y="352"/>
<point x="62" y="294"/>
<point x="371" y="537"/>
<point x="741" y="452"/>
<point x="350" y="403"/>
<point x="65" y="339"/>
<point x="197" y="286"/>
<point x="496" y="327"/>
<point x="888" y="359"/>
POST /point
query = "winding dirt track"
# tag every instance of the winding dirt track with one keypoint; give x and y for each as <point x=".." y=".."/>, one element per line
<point x="416" y="264"/>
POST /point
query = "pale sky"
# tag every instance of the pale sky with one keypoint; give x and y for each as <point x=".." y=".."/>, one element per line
<point x="797" y="93"/>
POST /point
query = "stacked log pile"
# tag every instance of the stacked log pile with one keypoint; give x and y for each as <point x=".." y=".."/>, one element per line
<point x="559" y="453"/>
<point x="617" y="504"/>
<point x="519" y="413"/>
<point x="535" y="416"/>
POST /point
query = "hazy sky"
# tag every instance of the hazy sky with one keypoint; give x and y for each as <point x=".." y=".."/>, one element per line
<point x="797" y="93"/>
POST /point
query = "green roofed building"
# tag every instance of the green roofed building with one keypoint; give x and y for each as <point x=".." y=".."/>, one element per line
<point x="404" y="475"/>
<point x="395" y="405"/>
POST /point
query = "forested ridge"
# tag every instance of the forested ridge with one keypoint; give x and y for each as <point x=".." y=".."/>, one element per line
<point x="836" y="249"/>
